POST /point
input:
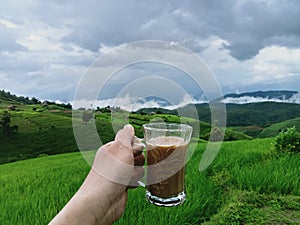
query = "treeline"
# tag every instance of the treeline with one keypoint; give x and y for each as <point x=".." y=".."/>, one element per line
<point x="283" y="95"/>
<point x="29" y="101"/>
<point x="12" y="97"/>
<point x="261" y="114"/>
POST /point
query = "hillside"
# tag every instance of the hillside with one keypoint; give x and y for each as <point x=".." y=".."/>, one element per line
<point x="46" y="128"/>
<point x="48" y="131"/>
<point x="8" y="98"/>
<point x="260" y="114"/>
<point x="272" y="130"/>
<point x="39" y="133"/>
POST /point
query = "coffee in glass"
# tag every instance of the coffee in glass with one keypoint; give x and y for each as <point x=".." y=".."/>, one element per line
<point x="166" y="146"/>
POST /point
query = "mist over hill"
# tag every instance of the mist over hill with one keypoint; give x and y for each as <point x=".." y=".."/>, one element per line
<point x="280" y="96"/>
<point x="134" y="103"/>
<point x="263" y="96"/>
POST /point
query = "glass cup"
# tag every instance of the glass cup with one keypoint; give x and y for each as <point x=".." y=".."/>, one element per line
<point x="166" y="147"/>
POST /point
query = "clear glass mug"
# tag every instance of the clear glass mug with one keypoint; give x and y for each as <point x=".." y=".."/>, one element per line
<point x="166" y="148"/>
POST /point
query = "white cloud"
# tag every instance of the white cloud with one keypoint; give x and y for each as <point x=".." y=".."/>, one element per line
<point x="276" y="64"/>
<point x="248" y="44"/>
<point x="274" y="67"/>
<point x="149" y="24"/>
<point x="250" y="99"/>
<point x="47" y="39"/>
<point x="133" y="103"/>
<point x="8" y="24"/>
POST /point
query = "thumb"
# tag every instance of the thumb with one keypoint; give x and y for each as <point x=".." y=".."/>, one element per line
<point x="114" y="161"/>
<point x="125" y="136"/>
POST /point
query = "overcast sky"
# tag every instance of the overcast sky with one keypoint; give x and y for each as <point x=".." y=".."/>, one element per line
<point x="46" y="46"/>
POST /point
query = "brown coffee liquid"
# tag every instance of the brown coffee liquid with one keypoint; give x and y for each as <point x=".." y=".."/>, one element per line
<point x="166" y="160"/>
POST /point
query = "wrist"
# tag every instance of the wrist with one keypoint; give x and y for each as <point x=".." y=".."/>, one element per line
<point x="98" y="195"/>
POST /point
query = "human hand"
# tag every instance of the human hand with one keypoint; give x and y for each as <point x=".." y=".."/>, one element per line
<point x="102" y="197"/>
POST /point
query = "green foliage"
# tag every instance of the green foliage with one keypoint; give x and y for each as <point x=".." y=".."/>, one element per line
<point x="5" y="122"/>
<point x="8" y="96"/>
<point x="260" y="114"/>
<point x="288" y="141"/>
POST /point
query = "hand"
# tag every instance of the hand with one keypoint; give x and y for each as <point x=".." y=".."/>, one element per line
<point x="102" y="197"/>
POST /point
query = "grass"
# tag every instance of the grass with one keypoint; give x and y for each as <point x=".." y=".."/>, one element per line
<point x="255" y="166"/>
<point x="248" y="207"/>
<point x="246" y="184"/>
<point x="32" y="191"/>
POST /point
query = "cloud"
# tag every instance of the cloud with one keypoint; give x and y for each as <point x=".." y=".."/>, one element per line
<point x="249" y="45"/>
<point x="132" y="103"/>
<point x="250" y="99"/>
<point x="274" y="67"/>
<point x="8" y="41"/>
<point x="248" y="26"/>
<point x="257" y="24"/>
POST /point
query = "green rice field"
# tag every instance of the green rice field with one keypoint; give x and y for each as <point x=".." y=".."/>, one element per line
<point x="248" y="183"/>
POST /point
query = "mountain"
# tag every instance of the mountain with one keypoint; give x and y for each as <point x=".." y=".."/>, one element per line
<point x="263" y="96"/>
<point x="132" y="103"/>
<point x="159" y="101"/>
<point x="282" y="95"/>
<point x="258" y="114"/>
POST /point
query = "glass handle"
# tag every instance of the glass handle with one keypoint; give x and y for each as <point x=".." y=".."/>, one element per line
<point x="138" y="146"/>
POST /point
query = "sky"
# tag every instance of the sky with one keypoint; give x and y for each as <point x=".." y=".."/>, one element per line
<point x="47" y="46"/>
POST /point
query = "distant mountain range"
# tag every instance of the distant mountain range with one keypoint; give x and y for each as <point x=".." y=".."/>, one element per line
<point x="134" y="104"/>
<point x="281" y="96"/>
<point x="263" y="96"/>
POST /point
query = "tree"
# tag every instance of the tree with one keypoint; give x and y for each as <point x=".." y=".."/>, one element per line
<point x="35" y="100"/>
<point x="87" y="116"/>
<point x="5" y="121"/>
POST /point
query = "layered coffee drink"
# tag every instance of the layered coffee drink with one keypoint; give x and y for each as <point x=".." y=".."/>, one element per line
<point x="166" y="166"/>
